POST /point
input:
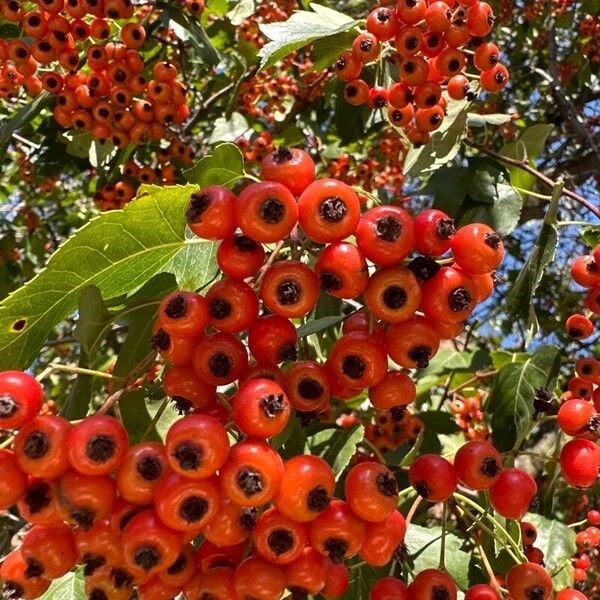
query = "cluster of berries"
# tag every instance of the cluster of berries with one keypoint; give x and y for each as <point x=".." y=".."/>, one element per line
<point x="391" y="428"/>
<point x="98" y="84"/>
<point x="468" y="415"/>
<point x="268" y="94"/>
<point x="267" y="11"/>
<point x="585" y="271"/>
<point x="382" y="169"/>
<point x="426" y="43"/>
<point x="256" y="147"/>
<point x="412" y="302"/>
<point x="161" y="166"/>
<point x="589" y="34"/>
<point x="586" y="559"/>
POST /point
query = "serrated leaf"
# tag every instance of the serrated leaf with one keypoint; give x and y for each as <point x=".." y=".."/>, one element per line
<point x="519" y="298"/>
<point x="225" y="166"/>
<point x="301" y="29"/>
<point x="316" y="325"/>
<point x="511" y="400"/>
<point x="424" y="545"/>
<point x="69" y="587"/>
<point x="591" y="235"/>
<point x="336" y="446"/>
<point x="241" y="11"/>
<point x="117" y="252"/>
<point x="557" y="542"/>
<point x="444" y="143"/>
<point x="228" y="129"/>
<point x="477" y="120"/>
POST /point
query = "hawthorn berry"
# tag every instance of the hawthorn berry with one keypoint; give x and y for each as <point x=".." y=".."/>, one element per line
<point x="512" y="493"/>
<point x="433" y="477"/>
<point x="21" y="398"/>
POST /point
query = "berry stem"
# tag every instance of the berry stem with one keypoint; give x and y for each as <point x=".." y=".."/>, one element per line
<point x="155" y="419"/>
<point x="442" y="565"/>
<point x="413" y="510"/>
<point x="81" y="371"/>
<point x="7" y="442"/>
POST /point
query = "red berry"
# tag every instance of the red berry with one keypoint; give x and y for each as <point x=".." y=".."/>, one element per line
<point x="292" y="167"/>
<point x="433" y="477"/>
<point x="512" y="493"/>
<point x="21" y="398"/>
<point x="579" y="462"/>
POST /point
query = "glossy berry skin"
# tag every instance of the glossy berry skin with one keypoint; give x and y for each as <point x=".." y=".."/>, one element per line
<point x="39" y="504"/>
<point x="342" y="270"/>
<point x="13" y="576"/>
<point x="383" y="539"/>
<point x="574" y="417"/>
<point x="143" y="466"/>
<point x="432" y="583"/>
<point x="585" y="271"/>
<point x="290" y="289"/>
<point x="393" y="294"/>
<point x="103" y="581"/>
<point x="389" y="588"/>
<point x="261" y="408"/>
<point x="278" y="538"/>
<point x="291" y="167"/>
<point x="481" y="591"/>
<point x="478" y="465"/>
<point x="149" y="546"/>
<point x="385" y="234"/>
<point x="97" y="445"/>
<point x="359" y="360"/>
<point x="356" y="92"/>
<point x="477" y="248"/>
<point x="329" y="210"/>
<point x="231" y="525"/>
<point x="592" y="300"/>
<point x="579" y="463"/>
<point x="49" y="551"/>
<point x="183" y="314"/>
<point x="197" y="446"/>
<point x="433" y="477"/>
<point x="13" y="482"/>
<point x="512" y="493"/>
<point x="252" y="475"/>
<point x="371" y="491"/>
<point x="337" y="532"/>
<point x="306" y="489"/>
<point x="272" y="339"/>
<point x="183" y="385"/>
<point x="337" y="581"/>
<point x="412" y="343"/>
<point x="85" y="499"/>
<point x="449" y="296"/>
<point x="266" y="212"/>
<point x="240" y="257"/>
<point x="209" y="556"/>
<point x="258" y="578"/>
<point x="347" y="67"/>
<point x="382" y="23"/>
<point x="219" y="358"/>
<point x="41" y="445"/>
<point x="486" y="56"/>
<point x="308" y="573"/>
<point x="233" y="306"/>
<point x="211" y="213"/>
<point x="529" y="580"/>
<point x="308" y="385"/>
<point x="21" y="398"/>
<point x="175" y="350"/>
<point x="366" y="47"/>
<point x="570" y="594"/>
<point x="184" y="504"/>
<point x="480" y="19"/>
<point x="495" y="79"/>
<point x="433" y="232"/>
<point x="216" y="583"/>
<point x="396" y="389"/>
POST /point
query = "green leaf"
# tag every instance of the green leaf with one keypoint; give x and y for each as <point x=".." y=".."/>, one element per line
<point x="591" y="235"/>
<point x="336" y="446"/>
<point x="529" y="146"/>
<point x="78" y="143"/>
<point x="241" y="11"/>
<point x="316" y="325"/>
<point x="326" y="50"/>
<point x="301" y="29"/>
<point x="117" y="252"/>
<point x="225" y="166"/>
<point x="76" y="405"/>
<point x="477" y="120"/>
<point x="557" y="542"/>
<point x="519" y="298"/>
<point x="93" y="319"/>
<point x="229" y="129"/>
<point x="29" y="111"/>
<point x="448" y="359"/>
<point x="69" y="587"/>
<point x="141" y="416"/>
<point x="511" y="400"/>
<point x="292" y="440"/>
<point x="362" y="579"/>
<point x="424" y="544"/>
<point x="444" y="143"/>
<point x="500" y="358"/>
